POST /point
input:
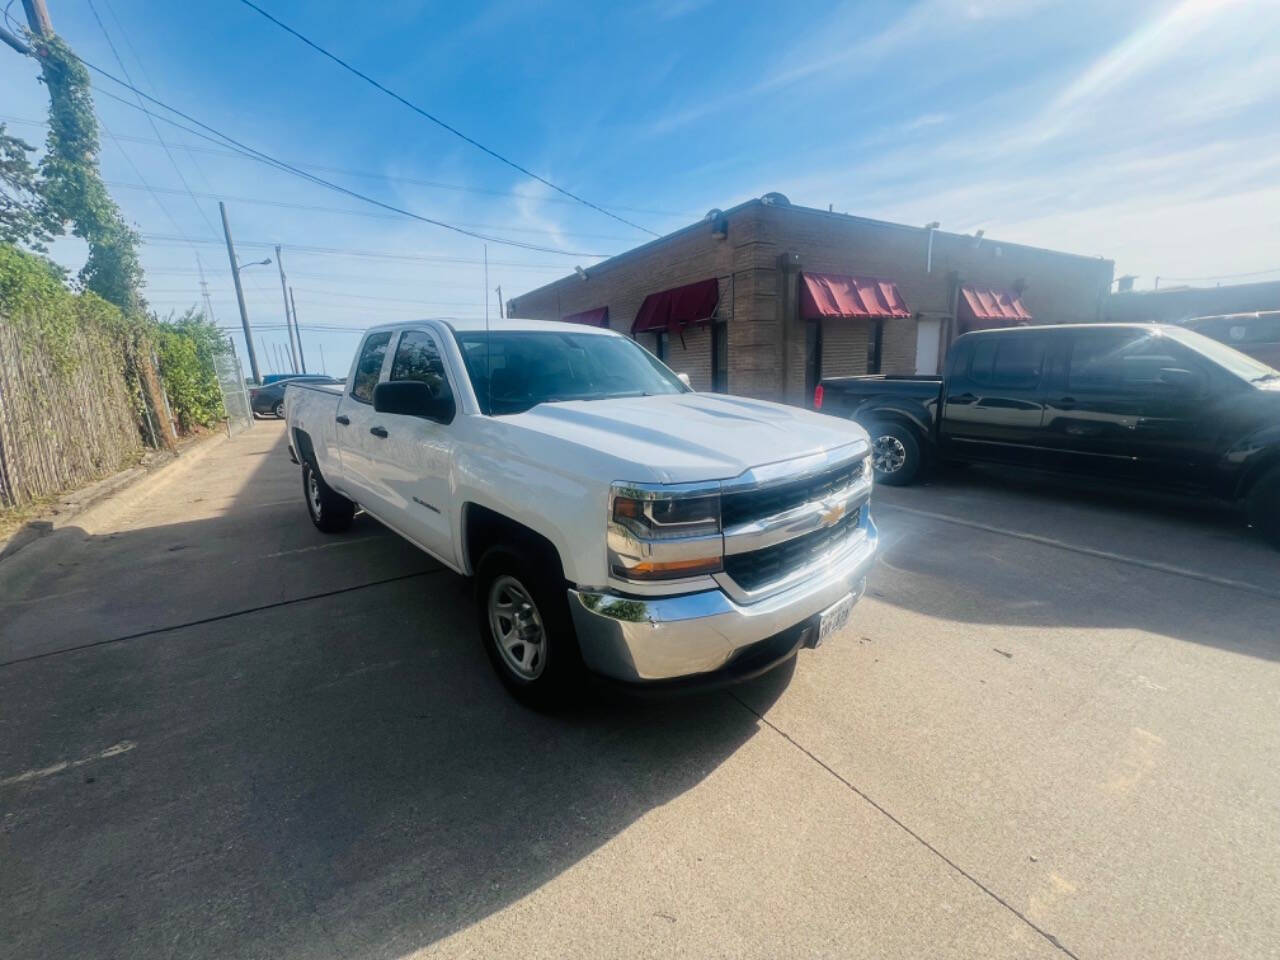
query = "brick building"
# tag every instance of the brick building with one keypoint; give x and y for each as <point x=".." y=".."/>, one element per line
<point x="764" y="298"/>
<point x="1174" y="304"/>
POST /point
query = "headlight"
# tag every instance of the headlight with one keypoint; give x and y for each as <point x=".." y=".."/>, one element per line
<point x="664" y="532"/>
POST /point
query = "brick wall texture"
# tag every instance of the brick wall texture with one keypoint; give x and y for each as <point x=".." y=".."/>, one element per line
<point x="758" y="264"/>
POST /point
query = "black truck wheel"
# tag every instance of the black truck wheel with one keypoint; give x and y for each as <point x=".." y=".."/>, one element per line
<point x="1264" y="506"/>
<point x="895" y="452"/>
<point x="330" y="511"/>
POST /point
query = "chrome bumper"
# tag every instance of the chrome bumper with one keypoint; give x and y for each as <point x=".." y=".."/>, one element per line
<point x="660" y="638"/>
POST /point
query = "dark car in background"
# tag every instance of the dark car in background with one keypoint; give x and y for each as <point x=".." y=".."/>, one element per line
<point x="1257" y="334"/>
<point x="268" y="400"/>
<point x="1143" y="404"/>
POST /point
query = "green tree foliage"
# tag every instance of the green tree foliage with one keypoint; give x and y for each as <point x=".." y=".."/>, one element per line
<point x="25" y="216"/>
<point x="72" y="185"/>
<point x="186" y="348"/>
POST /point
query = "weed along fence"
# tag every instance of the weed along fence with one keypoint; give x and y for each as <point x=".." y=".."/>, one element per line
<point x="64" y="420"/>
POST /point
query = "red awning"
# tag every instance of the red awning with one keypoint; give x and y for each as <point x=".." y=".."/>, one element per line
<point x="599" y="317"/>
<point x="677" y="308"/>
<point x="831" y="295"/>
<point x="982" y="309"/>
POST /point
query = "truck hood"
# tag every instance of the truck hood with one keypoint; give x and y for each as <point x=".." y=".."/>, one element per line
<point x="686" y="437"/>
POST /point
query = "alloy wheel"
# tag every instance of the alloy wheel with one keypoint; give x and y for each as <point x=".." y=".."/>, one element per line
<point x="888" y="454"/>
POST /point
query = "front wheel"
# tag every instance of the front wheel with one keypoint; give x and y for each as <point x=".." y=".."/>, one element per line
<point x="895" y="453"/>
<point x="1264" y="506"/>
<point x="526" y="627"/>
<point x="330" y="511"/>
<point x="279" y="410"/>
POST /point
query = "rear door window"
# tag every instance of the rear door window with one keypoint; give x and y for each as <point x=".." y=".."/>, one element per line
<point x="1008" y="362"/>
<point x="369" y="367"/>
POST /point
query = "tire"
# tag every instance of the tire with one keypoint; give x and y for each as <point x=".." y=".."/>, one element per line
<point x="1264" y="506"/>
<point x="543" y="669"/>
<point x="279" y="410"/>
<point x="895" y="453"/>
<point x="331" y="512"/>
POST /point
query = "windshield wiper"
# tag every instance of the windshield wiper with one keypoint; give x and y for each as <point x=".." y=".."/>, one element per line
<point x="560" y="398"/>
<point x="1267" y="376"/>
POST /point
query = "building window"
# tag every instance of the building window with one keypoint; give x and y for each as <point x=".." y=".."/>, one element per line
<point x="720" y="357"/>
<point x="662" y="350"/>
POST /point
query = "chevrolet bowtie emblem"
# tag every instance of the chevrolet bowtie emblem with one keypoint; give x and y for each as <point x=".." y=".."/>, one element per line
<point x="832" y="513"/>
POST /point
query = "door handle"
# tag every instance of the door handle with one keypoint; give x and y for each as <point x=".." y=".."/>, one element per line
<point x="1066" y="403"/>
<point x="343" y="419"/>
<point x="963" y="398"/>
<point x="378" y="431"/>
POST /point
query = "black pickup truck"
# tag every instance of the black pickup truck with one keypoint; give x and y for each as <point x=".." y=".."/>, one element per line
<point x="1139" y="403"/>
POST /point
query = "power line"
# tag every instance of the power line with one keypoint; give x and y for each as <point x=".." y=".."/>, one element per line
<point x="280" y="164"/>
<point x="154" y="129"/>
<point x="346" y="171"/>
<point x="339" y="210"/>
<point x="146" y="75"/>
<point x="364" y="254"/>
<point x="350" y="296"/>
<point x="436" y="120"/>
<point x="415" y="279"/>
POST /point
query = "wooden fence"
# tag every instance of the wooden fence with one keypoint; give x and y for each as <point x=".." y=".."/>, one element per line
<point x="59" y="430"/>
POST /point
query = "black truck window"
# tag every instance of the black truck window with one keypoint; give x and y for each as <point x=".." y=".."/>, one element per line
<point x="1007" y="361"/>
<point x="1111" y="359"/>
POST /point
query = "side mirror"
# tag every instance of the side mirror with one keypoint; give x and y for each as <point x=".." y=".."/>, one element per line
<point x="413" y="398"/>
<point x="684" y="378"/>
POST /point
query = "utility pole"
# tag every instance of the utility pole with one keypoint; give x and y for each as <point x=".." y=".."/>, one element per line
<point x="38" y="18"/>
<point x="501" y="313"/>
<point x="298" y="330"/>
<point x="324" y="367"/>
<point x="235" y="275"/>
<point x="288" y="325"/>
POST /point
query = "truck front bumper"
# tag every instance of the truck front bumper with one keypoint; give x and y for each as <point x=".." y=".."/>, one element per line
<point x="653" y="639"/>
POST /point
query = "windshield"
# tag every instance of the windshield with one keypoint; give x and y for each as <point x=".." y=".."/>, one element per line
<point x="531" y="367"/>
<point x="1242" y="365"/>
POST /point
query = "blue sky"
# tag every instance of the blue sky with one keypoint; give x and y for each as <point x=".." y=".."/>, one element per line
<point x="1148" y="133"/>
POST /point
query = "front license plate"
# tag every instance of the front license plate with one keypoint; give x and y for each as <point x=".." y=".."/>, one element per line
<point x="833" y="619"/>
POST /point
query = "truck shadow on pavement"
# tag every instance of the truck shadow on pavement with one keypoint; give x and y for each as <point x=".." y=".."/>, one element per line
<point x="335" y="776"/>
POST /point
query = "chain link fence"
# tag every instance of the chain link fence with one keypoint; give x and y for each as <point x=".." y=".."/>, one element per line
<point x="235" y="396"/>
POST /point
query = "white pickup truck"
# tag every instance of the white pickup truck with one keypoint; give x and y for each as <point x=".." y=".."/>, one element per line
<point x="614" y="520"/>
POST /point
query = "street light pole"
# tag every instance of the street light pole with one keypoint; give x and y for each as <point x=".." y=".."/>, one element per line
<point x="284" y="293"/>
<point x="235" y="276"/>
<point x="302" y="357"/>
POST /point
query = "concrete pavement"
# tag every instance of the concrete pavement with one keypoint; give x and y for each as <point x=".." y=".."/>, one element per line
<point x="1050" y="730"/>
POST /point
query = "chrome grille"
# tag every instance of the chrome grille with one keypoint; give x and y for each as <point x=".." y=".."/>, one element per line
<point x="760" y="567"/>
<point x="749" y="505"/>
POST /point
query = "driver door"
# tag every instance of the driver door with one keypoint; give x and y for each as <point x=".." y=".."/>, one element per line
<point x="414" y="459"/>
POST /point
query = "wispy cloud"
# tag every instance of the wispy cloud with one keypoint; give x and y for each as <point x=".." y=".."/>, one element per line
<point x="845" y="43"/>
<point x="1170" y="46"/>
<point x="923" y="121"/>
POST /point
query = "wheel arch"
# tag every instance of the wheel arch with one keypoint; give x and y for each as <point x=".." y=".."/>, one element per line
<point x="484" y="527"/>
